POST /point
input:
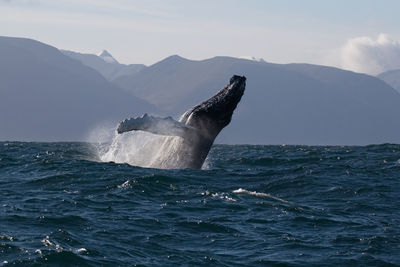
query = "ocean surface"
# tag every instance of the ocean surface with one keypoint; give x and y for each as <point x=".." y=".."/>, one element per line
<point x="250" y="205"/>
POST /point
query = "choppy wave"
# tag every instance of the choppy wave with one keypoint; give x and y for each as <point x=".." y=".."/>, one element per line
<point x="252" y="205"/>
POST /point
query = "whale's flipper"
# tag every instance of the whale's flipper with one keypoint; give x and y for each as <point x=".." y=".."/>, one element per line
<point x="163" y="126"/>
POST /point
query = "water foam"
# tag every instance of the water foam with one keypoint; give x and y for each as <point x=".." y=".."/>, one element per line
<point x="142" y="148"/>
<point x="257" y="194"/>
<point x="137" y="148"/>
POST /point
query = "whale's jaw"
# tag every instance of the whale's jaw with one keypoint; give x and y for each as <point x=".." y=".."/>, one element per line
<point x="212" y="115"/>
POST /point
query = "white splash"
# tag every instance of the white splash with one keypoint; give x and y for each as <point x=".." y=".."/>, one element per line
<point x="79" y="250"/>
<point x="137" y="148"/>
<point x="257" y="194"/>
<point x="47" y="243"/>
<point x="132" y="148"/>
<point x="207" y="165"/>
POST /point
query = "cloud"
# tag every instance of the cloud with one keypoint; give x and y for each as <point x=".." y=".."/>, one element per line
<point x="371" y="56"/>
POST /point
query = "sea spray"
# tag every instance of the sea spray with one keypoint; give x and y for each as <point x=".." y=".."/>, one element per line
<point x="135" y="148"/>
<point x="140" y="148"/>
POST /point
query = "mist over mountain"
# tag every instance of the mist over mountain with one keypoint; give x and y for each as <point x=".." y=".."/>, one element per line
<point x="47" y="96"/>
<point x="282" y="104"/>
<point x="106" y="64"/>
<point x="392" y="78"/>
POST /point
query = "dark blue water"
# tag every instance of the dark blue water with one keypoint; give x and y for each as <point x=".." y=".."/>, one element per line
<point x="254" y="205"/>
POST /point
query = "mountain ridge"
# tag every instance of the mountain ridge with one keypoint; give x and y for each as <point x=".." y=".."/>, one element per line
<point x="47" y="96"/>
<point x="297" y="103"/>
<point x="391" y="77"/>
<point x="110" y="69"/>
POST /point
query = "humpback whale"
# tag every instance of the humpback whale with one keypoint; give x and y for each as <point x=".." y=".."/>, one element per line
<point x="186" y="143"/>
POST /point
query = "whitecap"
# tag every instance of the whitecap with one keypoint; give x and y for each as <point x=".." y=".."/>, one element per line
<point x="257" y="194"/>
<point x="46" y="242"/>
<point x="79" y="250"/>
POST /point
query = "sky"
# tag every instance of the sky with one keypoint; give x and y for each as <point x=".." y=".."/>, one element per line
<point x="359" y="35"/>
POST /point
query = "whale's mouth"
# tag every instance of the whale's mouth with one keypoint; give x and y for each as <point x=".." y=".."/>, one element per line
<point x="219" y="108"/>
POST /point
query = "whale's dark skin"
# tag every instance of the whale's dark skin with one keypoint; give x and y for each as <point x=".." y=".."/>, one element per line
<point x="200" y="125"/>
<point x="209" y="118"/>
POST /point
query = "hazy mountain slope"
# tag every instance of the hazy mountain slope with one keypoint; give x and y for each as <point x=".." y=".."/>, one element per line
<point x="291" y="104"/>
<point x="47" y="96"/>
<point x="392" y="78"/>
<point x="176" y="83"/>
<point x="106" y="65"/>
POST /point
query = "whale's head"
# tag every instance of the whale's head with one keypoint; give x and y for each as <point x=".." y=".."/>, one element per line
<point x="212" y="115"/>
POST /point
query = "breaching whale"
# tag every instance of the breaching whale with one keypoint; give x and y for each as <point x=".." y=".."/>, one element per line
<point x="186" y="143"/>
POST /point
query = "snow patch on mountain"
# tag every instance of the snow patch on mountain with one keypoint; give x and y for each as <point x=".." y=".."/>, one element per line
<point x="258" y="59"/>
<point x="107" y="57"/>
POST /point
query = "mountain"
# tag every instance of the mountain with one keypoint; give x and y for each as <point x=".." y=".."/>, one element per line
<point x="392" y="78"/>
<point x="283" y="104"/>
<point x="105" y="64"/>
<point x="107" y="57"/>
<point x="47" y="96"/>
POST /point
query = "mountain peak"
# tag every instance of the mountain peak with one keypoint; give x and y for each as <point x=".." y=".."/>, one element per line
<point x="107" y="57"/>
<point x="175" y="57"/>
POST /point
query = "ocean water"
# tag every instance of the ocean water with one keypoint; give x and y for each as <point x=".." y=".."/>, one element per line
<point x="250" y="205"/>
